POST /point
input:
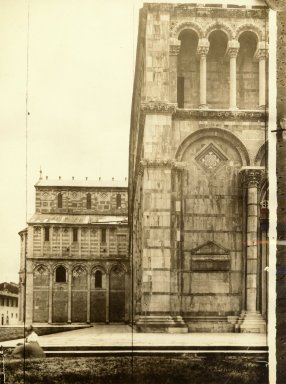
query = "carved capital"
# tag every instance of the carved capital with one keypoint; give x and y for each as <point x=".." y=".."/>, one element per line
<point x="232" y="48"/>
<point x="158" y="107"/>
<point x="175" y="46"/>
<point x="262" y="51"/>
<point x="252" y="177"/>
<point x="203" y="47"/>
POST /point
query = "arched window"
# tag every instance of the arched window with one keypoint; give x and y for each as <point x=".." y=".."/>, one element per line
<point x="74" y="234"/>
<point x="61" y="275"/>
<point x="98" y="279"/>
<point x="47" y="233"/>
<point x="188" y="71"/>
<point x="88" y="201"/>
<point x="60" y="200"/>
<point x="118" y="200"/>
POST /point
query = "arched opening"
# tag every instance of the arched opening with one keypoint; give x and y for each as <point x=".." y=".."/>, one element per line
<point x="247" y="72"/>
<point x="61" y="275"/>
<point x="88" y="201"/>
<point x="217" y="71"/>
<point x="98" y="279"/>
<point x="188" y="71"/>
<point x="98" y="296"/>
<point x="60" y="200"/>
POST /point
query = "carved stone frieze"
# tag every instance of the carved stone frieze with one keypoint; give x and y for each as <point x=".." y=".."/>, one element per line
<point x="158" y="107"/>
<point x="160" y="163"/>
<point x="185" y="114"/>
<point x="252" y="177"/>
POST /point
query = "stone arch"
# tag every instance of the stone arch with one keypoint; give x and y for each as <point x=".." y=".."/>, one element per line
<point x="80" y="267"/>
<point x="218" y="26"/>
<point x="40" y="268"/>
<point x="117" y="265"/>
<point x="259" y="33"/>
<point x="223" y="134"/>
<point x="188" y="25"/>
<point x="97" y="267"/>
<point x="261" y="153"/>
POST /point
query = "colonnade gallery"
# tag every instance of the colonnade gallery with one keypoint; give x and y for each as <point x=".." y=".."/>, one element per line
<point x="188" y="251"/>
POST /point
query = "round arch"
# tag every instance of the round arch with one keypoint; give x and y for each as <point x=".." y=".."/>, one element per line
<point x="188" y="25"/>
<point x="217" y="26"/>
<point x="261" y="153"/>
<point x="227" y="136"/>
<point x="98" y="267"/>
<point x="260" y="34"/>
<point x="117" y="265"/>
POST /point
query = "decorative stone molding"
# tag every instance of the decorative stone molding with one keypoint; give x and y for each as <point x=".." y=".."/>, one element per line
<point x="177" y="28"/>
<point x="277" y="5"/>
<point x="159" y="163"/>
<point x="221" y="27"/>
<point x="185" y="114"/>
<point x="154" y="107"/>
<point x="203" y="47"/>
<point x="252" y="176"/>
<point x="232" y="48"/>
<point x="37" y="229"/>
<point x="250" y="27"/>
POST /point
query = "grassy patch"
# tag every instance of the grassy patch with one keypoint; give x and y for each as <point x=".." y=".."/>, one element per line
<point x="12" y="333"/>
<point x="137" y="370"/>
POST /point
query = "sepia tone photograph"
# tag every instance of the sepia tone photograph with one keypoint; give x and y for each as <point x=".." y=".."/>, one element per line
<point x="143" y="163"/>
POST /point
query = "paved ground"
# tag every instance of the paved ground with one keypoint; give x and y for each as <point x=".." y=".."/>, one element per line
<point x="122" y="335"/>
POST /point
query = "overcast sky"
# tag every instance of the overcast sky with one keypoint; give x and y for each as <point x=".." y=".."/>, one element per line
<point x="81" y="56"/>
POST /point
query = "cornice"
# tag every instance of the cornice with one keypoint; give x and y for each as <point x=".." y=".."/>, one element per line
<point x="187" y="10"/>
<point x="185" y="114"/>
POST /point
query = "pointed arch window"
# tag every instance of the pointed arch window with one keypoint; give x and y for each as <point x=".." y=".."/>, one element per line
<point x="61" y="275"/>
<point x="98" y="279"/>
<point x="60" y="200"/>
<point x="88" y="201"/>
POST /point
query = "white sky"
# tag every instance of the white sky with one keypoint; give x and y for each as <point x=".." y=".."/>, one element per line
<point x="80" y="78"/>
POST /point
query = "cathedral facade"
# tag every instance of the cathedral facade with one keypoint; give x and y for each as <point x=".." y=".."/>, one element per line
<point x="74" y="254"/>
<point x="197" y="169"/>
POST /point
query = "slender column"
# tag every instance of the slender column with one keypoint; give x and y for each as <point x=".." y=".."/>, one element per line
<point x="51" y="296"/>
<point x="252" y="321"/>
<point x="69" y="294"/>
<point x="107" y="296"/>
<point x="261" y="55"/>
<point x="88" y="298"/>
<point x="232" y="51"/>
<point x="202" y="51"/>
<point x="174" y="51"/>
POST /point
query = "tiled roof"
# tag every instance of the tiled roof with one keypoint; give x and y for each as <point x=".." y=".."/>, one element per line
<point x="40" y="218"/>
<point x="82" y="183"/>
